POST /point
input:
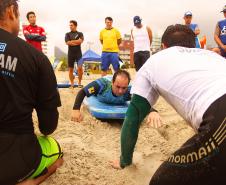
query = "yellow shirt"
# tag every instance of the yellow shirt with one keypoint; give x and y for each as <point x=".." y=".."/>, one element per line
<point x="110" y="38"/>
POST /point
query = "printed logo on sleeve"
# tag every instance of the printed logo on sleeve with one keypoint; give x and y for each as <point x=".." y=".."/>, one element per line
<point x="2" y="47"/>
<point x="223" y="31"/>
<point x="91" y="90"/>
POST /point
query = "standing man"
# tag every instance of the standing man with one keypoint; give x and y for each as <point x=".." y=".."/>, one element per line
<point x="110" y="38"/>
<point x="193" y="81"/>
<point x="193" y="27"/>
<point x="74" y="39"/>
<point x="220" y="35"/>
<point x="34" y="34"/>
<point x="142" y="37"/>
<point x="27" y="82"/>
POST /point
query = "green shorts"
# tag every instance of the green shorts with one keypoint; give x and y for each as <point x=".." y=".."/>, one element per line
<point x="51" y="151"/>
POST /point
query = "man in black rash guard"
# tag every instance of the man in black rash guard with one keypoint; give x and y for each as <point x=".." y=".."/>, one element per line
<point x="27" y="82"/>
<point x="74" y="39"/>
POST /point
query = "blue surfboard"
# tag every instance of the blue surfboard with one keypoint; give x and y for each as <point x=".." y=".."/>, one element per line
<point x="105" y="111"/>
<point x="65" y="85"/>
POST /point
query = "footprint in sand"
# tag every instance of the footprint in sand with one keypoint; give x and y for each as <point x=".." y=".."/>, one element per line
<point x="145" y="167"/>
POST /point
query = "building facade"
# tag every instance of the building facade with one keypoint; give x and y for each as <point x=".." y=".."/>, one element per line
<point x="156" y="44"/>
<point x="126" y="50"/>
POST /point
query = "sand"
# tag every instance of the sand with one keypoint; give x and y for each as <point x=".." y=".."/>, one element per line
<point x="90" y="145"/>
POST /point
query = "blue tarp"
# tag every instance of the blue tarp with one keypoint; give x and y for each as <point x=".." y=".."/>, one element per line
<point x="89" y="55"/>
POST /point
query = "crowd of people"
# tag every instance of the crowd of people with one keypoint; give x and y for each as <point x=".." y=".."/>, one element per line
<point x="110" y="38"/>
<point x="191" y="79"/>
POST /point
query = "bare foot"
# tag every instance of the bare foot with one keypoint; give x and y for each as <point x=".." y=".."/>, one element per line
<point x="115" y="164"/>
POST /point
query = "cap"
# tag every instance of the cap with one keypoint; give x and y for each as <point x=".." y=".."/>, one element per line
<point x="224" y="9"/>
<point x="137" y="20"/>
<point x="188" y="13"/>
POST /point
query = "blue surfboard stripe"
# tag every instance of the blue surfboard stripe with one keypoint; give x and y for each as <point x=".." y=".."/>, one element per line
<point x="65" y="85"/>
<point x="105" y="111"/>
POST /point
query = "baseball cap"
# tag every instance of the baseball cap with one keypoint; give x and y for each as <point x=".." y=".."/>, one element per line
<point x="224" y="9"/>
<point x="137" y="20"/>
<point x="188" y="13"/>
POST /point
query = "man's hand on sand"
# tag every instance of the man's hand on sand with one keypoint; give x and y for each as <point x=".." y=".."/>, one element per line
<point x="154" y="120"/>
<point x="76" y="116"/>
<point x="115" y="164"/>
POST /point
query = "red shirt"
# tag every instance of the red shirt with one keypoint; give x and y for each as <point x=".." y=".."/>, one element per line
<point x="34" y="35"/>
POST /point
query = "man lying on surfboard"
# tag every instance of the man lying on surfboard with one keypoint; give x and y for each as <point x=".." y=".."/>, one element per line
<point x="113" y="92"/>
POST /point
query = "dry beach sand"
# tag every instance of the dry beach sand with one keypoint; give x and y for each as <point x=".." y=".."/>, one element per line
<point x="90" y="145"/>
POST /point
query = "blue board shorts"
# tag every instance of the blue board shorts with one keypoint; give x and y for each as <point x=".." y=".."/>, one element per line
<point x="108" y="58"/>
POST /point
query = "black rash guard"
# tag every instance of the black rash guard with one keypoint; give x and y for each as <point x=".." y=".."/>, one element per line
<point x="27" y="82"/>
<point x="86" y="92"/>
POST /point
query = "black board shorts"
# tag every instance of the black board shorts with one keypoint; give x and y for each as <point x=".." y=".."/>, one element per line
<point x="72" y="58"/>
<point x="20" y="156"/>
<point x="202" y="159"/>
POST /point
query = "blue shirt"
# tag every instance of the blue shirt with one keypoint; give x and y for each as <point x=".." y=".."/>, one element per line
<point x="222" y="27"/>
<point x="193" y="27"/>
<point x="102" y="89"/>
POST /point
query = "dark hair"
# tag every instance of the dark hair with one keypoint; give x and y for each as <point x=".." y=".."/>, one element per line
<point x="178" y="35"/>
<point x="108" y="18"/>
<point x="74" y="22"/>
<point x="7" y="3"/>
<point x="122" y="73"/>
<point x="30" y="13"/>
